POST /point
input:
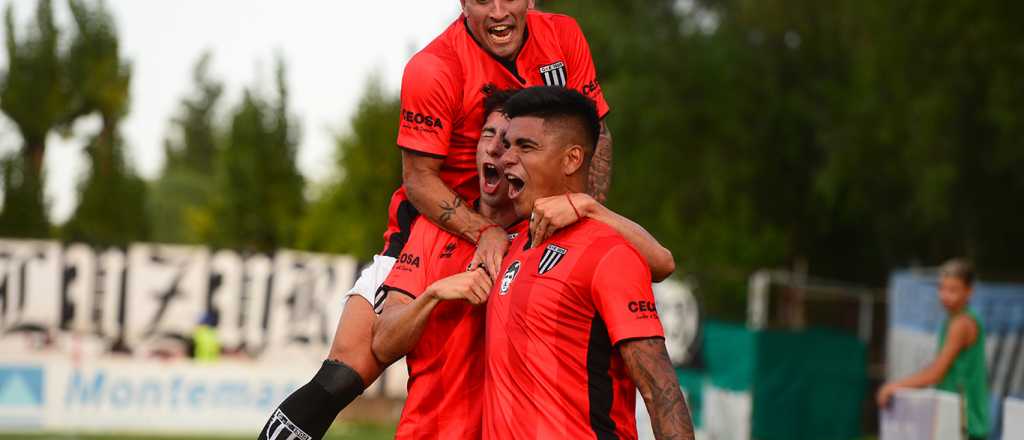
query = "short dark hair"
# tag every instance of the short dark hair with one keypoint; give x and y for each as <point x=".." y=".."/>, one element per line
<point x="495" y="100"/>
<point x="552" y="103"/>
<point x="958" y="268"/>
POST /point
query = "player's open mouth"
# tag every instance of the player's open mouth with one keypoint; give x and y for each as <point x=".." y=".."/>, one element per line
<point x="515" y="186"/>
<point x="501" y="34"/>
<point x="491" y="178"/>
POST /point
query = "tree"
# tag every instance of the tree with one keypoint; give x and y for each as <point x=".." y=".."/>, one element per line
<point x="112" y="198"/>
<point x="33" y="95"/>
<point x="349" y="215"/>
<point x="854" y="136"/>
<point x="259" y="198"/>
<point x="180" y="200"/>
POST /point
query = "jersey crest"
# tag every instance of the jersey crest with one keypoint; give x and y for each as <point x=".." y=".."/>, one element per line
<point x="510" y="275"/>
<point x="552" y="256"/>
<point x="555" y="74"/>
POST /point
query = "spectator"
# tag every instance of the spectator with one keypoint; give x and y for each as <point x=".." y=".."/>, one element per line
<point x="959" y="366"/>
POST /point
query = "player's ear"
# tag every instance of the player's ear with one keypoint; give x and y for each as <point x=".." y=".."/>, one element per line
<point x="531" y="4"/>
<point x="572" y="160"/>
<point x="462" y="4"/>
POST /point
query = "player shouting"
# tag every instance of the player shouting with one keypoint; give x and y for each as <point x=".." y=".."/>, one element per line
<point x="432" y="312"/>
<point x="572" y="329"/>
<point x="495" y="44"/>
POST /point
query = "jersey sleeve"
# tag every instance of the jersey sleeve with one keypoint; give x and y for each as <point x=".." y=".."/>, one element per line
<point x="580" y="64"/>
<point x="622" y="294"/>
<point x="409" y="275"/>
<point x="428" y="106"/>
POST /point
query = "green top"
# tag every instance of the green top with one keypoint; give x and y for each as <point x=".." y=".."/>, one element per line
<point x="968" y="378"/>
<point x="207" y="344"/>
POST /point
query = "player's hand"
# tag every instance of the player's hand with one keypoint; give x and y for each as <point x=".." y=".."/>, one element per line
<point x="490" y="250"/>
<point x="472" y="286"/>
<point x="556" y="212"/>
<point x="884" y="395"/>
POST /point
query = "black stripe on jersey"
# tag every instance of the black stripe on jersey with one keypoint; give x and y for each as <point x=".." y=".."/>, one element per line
<point x="405" y="214"/>
<point x="599" y="381"/>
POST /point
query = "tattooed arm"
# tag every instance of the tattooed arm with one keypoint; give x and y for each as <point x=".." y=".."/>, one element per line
<point x="648" y="364"/>
<point x="601" y="166"/>
<point x="421" y="176"/>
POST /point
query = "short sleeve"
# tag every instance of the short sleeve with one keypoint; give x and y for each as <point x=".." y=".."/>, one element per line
<point x="428" y="106"/>
<point x="582" y="73"/>
<point x="409" y="275"/>
<point x="622" y="295"/>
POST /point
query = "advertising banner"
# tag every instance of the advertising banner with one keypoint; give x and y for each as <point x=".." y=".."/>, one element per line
<point x="127" y="395"/>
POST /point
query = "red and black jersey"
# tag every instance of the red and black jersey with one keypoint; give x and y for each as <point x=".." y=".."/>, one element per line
<point x="446" y="369"/>
<point x="553" y="321"/>
<point x="443" y="89"/>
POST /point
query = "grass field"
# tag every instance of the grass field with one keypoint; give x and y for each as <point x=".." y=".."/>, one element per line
<point x="345" y="432"/>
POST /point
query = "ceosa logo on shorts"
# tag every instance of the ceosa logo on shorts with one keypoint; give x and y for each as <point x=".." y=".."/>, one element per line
<point x="510" y="275"/>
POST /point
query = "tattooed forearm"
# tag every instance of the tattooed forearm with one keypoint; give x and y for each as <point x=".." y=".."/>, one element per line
<point x="601" y="166"/>
<point x="448" y="208"/>
<point x="648" y="363"/>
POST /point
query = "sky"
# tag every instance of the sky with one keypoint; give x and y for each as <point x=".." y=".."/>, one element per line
<point x="331" y="48"/>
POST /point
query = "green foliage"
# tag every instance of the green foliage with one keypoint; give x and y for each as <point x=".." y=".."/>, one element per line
<point x="33" y="95"/>
<point x="111" y="208"/>
<point x="23" y="213"/>
<point x="351" y="214"/>
<point x="180" y="200"/>
<point x="259" y="198"/>
<point x="856" y="136"/>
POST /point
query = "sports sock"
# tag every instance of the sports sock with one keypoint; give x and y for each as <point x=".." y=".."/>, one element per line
<point x="309" y="411"/>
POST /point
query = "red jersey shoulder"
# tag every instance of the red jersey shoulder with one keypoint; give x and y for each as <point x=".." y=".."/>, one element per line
<point x="431" y="97"/>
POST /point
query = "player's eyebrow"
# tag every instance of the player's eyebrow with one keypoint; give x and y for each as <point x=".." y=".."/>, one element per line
<point x="525" y="141"/>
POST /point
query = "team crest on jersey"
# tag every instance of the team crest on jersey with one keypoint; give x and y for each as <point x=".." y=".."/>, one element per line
<point x="555" y="74"/>
<point x="510" y="275"/>
<point x="552" y="256"/>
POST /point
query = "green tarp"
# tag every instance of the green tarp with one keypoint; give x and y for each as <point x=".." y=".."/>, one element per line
<point x="806" y="385"/>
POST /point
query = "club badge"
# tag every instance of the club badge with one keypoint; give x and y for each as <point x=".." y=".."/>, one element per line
<point x="552" y="256"/>
<point x="554" y="74"/>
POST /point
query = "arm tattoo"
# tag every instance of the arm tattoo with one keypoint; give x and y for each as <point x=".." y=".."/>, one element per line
<point x="601" y="166"/>
<point x="648" y="363"/>
<point x="448" y="208"/>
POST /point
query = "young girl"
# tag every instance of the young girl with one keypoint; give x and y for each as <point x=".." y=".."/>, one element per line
<point x="960" y="365"/>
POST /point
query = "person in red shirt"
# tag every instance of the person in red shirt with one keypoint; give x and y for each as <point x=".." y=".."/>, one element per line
<point x="572" y="329"/>
<point x="495" y="44"/>
<point x="432" y="314"/>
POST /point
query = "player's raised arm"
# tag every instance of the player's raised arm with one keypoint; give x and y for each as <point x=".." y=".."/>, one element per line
<point x="445" y="208"/>
<point x="430" y="103"/>
<point x="648" y="364"/>
<point x="553" y="213"/>
<point x="403" y="319"/>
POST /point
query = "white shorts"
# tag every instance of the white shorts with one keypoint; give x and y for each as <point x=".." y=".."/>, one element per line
<point x="369" y="281"/>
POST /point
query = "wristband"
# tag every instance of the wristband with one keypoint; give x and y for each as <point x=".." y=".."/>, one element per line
<point x="480" y="233"/>
<point x="578" y="216"/>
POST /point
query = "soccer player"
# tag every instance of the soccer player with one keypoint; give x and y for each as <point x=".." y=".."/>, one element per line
<point x="959" y="366"/>
<point x="495" y="44"/>
<point x="432" y="311"/>
<point x="572" y="329"/>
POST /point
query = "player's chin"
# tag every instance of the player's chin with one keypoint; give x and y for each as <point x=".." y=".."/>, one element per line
<point x="523" y="206"/>
<point x="506" y="49"/>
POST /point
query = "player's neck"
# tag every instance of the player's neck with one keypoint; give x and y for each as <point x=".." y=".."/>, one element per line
<point x="503" y="216"/>
<point x="576" y="183"/>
